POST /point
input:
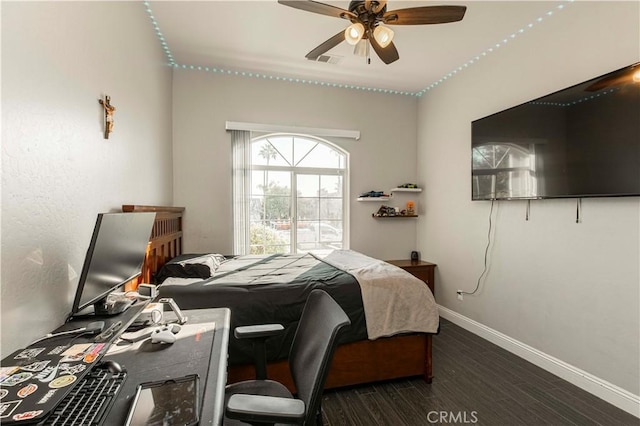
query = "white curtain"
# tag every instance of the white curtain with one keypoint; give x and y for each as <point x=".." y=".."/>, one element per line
<point x="241" y="141"/>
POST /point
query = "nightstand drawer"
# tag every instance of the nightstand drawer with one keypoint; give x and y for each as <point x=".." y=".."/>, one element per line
<point x="418" y="268"/>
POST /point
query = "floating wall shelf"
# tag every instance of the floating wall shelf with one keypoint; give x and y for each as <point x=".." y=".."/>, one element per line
<point x="374" y="199"/>
<point x="393" y="217"/>
<point x="406" y="190"/>
<point x="386" y="198"/>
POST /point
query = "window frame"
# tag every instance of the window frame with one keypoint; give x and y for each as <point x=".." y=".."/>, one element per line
<point x="495" y="169"/>
<point x="296" y="171"/>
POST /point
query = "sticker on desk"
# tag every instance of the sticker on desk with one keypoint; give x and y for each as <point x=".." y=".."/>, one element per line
<point x="75" y="352"/>
<point x="92" y="353"/>
<point x="6" y="408"/>
<point x="72" y="368"/>
<point x="47" y="396"/>
<point x="15" y="379"/>
<point x="47" y="374"/>
<point x="27" y="390"/>
<point x="36" y="366"/>
<point x="29" y="353"/>
<point x="58" y="350"/>
<point x="62" y="381"/>
<point x="28" y="415"/>
<point x="3" y="393"/>
<point x="7" y="371"/>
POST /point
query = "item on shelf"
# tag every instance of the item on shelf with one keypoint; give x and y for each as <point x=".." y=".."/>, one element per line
<point x="411" y="208"/>
<point x="374" y="194"/>
<point x="408" y="185"/>
<point x="385" y="211"/>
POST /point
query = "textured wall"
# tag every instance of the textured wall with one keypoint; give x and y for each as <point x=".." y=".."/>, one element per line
<point x="58" y="172"/>
<point x="569" y="290"/>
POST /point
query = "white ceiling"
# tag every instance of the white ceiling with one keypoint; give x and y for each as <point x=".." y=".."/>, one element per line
<point x="271" y="40"/>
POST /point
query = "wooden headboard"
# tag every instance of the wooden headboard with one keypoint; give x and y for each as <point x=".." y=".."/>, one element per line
<point x="166" y="238"/>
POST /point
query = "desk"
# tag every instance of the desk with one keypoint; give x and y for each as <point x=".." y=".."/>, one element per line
<point x="193" y="352"/>
<point x="200" y="348"/>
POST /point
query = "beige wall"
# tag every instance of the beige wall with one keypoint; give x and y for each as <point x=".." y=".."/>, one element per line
<point x="58" y="172"/>
<point x="568" y="290"/>
<point x="383" y="158"/>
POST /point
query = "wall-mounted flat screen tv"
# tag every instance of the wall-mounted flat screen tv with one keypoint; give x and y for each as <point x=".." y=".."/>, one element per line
<point x="583" y="141"/>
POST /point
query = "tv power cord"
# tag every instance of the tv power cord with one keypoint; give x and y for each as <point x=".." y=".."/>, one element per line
<point x="486" y="254"/>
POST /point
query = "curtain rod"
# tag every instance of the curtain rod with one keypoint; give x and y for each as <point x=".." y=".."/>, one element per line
<point x="276" y="128"/>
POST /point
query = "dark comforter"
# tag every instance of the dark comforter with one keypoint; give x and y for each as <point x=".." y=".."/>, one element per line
<point x="271" y="289"/>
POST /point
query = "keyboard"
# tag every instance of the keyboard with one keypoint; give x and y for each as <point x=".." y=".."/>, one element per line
<point x="89" y="401"/>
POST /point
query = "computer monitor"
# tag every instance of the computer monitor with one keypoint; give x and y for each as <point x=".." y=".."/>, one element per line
<point x="114" y="257"/>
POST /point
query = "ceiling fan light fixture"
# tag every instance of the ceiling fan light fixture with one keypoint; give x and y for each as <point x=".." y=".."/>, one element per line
<point x="383" y="35"/>
<point x="354" y="33"/>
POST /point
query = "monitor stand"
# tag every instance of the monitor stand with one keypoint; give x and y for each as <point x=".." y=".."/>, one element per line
<point x="111" y="306"/>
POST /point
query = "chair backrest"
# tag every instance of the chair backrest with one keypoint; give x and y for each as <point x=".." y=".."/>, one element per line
<point x="313" y="347"/>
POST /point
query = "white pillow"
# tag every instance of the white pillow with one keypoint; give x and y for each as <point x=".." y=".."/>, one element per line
<point x="213" y="261"/>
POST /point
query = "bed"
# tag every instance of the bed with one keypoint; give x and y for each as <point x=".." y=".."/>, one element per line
<point x="165" y="241"/>
<point x="361" y="357"/>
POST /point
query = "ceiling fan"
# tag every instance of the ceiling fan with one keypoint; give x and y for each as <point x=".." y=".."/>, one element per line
<point x="630" y="74"/>
<point x="367" y="18"/>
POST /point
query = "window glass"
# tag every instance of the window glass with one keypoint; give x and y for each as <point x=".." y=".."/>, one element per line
<point x="297" y="194"/>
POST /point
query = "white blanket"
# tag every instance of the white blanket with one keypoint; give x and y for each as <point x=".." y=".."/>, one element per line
<point x="394" y="300"/>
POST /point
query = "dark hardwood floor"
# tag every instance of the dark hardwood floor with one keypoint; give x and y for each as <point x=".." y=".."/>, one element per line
<point x="476" y="382"/>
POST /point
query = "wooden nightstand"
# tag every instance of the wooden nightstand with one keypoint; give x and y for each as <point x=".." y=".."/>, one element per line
<point x="419" y="268"/>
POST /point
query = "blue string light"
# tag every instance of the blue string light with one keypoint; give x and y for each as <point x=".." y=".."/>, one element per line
<point x="173" y="64"/>
<point x="495" y="47"/>
<point x="578" y="101"/>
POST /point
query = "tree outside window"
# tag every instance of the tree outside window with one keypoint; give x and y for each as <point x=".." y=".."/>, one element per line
<point x="297" y="195"/>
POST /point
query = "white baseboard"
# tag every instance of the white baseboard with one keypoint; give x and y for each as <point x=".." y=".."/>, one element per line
<point x="609" y="392"/>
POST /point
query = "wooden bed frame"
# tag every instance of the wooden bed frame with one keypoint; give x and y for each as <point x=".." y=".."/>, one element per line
<point x="165" y="242"/>
<point x="354" y="363"/>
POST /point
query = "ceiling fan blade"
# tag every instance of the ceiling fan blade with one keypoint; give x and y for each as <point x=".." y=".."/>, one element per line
<point x="317" y="7"/>
<point x="424" y="15"/>
<point x="619" y="78"/>
<point x="387" y="54"/>
<point x="329" y="44"/>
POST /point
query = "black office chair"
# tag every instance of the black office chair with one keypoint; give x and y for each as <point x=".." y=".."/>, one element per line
<point x="269" y="402"/>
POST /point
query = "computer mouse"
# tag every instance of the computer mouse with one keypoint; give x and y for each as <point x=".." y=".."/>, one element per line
<point x="111" y="365"/>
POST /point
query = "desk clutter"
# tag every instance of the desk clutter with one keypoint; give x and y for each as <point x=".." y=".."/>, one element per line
<point x="61" y="377"/>
<point x="163" y="334"/>
<point x="35" y="380"/>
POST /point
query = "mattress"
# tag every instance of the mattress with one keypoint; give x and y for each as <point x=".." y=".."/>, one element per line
<point x="262" y="289"/>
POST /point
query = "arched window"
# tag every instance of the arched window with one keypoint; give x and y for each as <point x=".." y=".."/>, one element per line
<point x="297" y="195"/>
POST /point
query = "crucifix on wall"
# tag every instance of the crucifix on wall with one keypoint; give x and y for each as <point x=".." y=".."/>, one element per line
<point x="108" y="115"/>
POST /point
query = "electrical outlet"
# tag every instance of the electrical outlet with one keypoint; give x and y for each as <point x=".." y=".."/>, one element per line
<point x="460" y="295"/>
